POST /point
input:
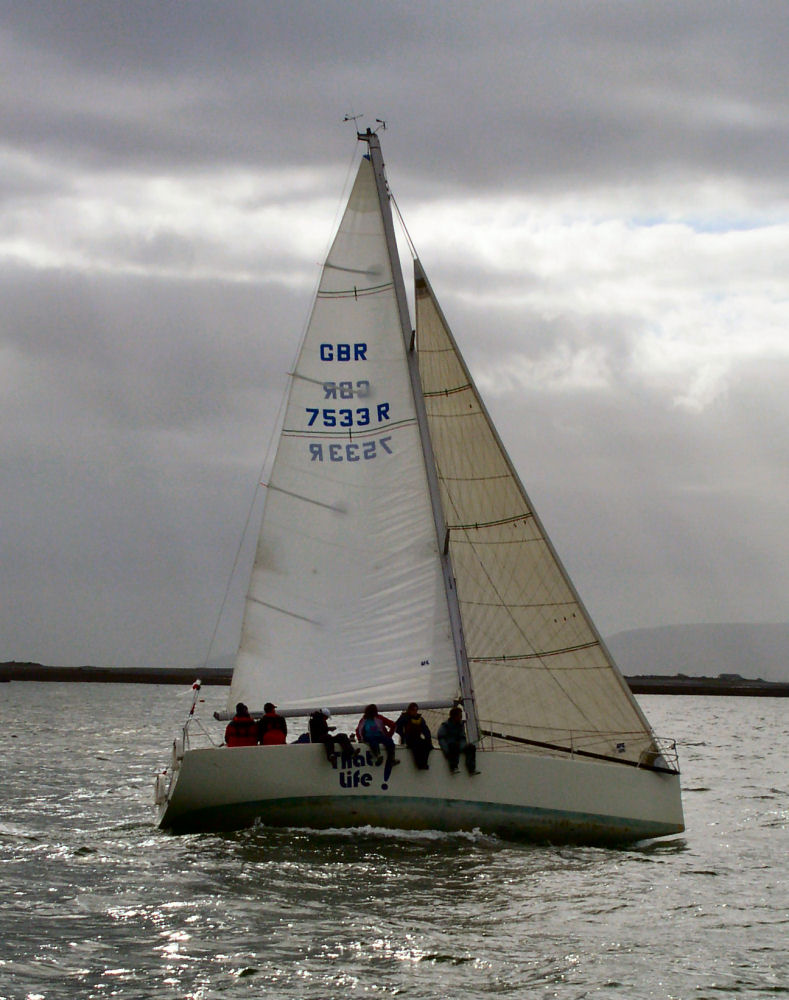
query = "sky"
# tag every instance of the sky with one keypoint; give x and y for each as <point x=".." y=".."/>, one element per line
<point x="597" y="193"/>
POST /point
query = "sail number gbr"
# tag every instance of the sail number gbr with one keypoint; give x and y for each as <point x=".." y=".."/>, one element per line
<point x="348" y="417"/>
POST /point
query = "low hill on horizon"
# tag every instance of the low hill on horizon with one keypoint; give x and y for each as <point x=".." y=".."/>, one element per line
<point x="755" y="651"/>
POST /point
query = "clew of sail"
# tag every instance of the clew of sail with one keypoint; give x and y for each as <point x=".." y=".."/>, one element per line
<point x="347" y="603"/>
<point x="540" y="671"/>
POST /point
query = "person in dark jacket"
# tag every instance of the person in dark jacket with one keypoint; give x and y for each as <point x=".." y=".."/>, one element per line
<point x="272" y="728"/>
<point x="452" y="740"/>
<point x="242" y="730"/>
<point x="414" y="733"/>
<point x="321" y="732"/>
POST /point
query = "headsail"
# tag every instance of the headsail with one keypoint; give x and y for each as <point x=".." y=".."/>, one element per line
<point x="539" y="668"/>
<point x="347" y="602"/>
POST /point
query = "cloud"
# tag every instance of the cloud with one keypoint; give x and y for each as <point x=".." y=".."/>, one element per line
<point x="597" y="194"/>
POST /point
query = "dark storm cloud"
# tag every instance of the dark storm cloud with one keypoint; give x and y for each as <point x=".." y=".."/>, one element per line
<point x="598" y="190"/>
<point x="617" y="90"/>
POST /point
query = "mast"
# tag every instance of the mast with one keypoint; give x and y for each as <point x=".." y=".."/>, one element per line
<point x="464" y="673"/>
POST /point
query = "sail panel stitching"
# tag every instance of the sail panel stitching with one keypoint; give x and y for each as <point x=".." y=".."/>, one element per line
<point x="510" y="604"/>
<point x="475" y="479"/>
<point x="540" y="655"/>
<point x="447" y="392"/>
<point x="354" y="293"/>
<point x="343" y="433"/>
<point x="490" y="524"/>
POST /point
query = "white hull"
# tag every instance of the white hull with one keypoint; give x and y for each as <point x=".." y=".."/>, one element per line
<point x="515" y="795"/>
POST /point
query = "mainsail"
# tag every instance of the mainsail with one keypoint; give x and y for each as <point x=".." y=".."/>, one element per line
<point x="347" y="601"/>
<point x="540" y="671"/>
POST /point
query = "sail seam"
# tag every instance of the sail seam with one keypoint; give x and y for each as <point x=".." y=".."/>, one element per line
<point x="354" y="293"/>
<point x="539" y="656"/>
<point x="346" y="434"/>
<point x="496" y="541"/>
<point x="447" y="392"/>
<point x="438" y="350"/>
<point x="490" y="524"/>
<point x="475" y="479"/>
<point x="512" y="604"/>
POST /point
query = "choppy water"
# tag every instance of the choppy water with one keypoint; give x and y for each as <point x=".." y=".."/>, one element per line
<point x="97" y="903"/>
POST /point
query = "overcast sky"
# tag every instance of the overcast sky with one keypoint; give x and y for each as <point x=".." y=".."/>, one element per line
<point x="597" y="192"/>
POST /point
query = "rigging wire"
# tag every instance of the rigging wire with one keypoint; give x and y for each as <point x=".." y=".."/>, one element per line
<point x="403" y="226"/>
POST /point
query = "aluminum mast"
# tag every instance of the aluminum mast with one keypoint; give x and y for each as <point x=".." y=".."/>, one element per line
<point x="464" y="674"/>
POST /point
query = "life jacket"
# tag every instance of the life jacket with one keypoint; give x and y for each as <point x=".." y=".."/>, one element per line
<point x="242" y="731"/>
<point x="413" y="728"/>
<point x="272" y="729"/>
<point x="380" y="723"/>
<point x="372" y="728"/>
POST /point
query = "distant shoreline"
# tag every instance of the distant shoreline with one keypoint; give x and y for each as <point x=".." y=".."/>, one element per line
<point x="729" y="684"/>
<point x="13" y="671"/>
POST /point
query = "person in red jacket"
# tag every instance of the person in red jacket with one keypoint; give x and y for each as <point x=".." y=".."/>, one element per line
<point x="242" y="730"/>
<point x="272" y="728"/>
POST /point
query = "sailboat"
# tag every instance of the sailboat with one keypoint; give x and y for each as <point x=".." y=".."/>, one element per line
<point x="400" y="560"/>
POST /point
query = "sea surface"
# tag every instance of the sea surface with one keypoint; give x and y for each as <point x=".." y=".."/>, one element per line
<point x="95" y="902"/>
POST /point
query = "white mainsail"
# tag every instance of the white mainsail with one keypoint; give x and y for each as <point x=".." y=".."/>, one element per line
<point x="539" y="670"/>
<point x="347" y="602"/>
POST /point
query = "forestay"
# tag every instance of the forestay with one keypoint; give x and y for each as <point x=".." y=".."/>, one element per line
<point x="539" y="669"/>
<point x="346" y="603"/>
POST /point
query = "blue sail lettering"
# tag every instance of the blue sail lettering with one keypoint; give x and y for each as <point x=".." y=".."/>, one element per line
<point x="353" y="451"/>
<point x="346" y="390"/>
<point x="343" y="352"/>
<point x="345" y="417"/>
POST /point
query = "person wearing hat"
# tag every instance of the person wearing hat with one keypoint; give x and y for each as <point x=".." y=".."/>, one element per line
<point x="321" y="732"/>
<point x="272" y="728"/>
<point x="242" y="730"/>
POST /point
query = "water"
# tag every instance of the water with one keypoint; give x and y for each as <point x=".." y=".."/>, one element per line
<point x="97" y="903"/>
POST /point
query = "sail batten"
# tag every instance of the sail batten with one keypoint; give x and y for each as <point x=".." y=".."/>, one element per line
<point x="353" y="293"/>
<point x="535" y="655"/>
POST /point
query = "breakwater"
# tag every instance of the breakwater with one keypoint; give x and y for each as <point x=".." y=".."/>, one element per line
<point x="13" y="671"/>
